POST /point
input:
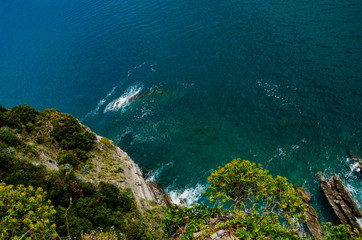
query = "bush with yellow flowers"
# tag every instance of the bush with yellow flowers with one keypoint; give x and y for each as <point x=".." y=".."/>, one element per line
<point x="25" y="213"/>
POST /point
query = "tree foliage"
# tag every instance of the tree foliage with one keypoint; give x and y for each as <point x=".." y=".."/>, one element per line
<point x="251" y="189"/>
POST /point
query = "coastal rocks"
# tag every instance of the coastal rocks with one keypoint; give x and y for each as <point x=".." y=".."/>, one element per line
<point x="131" y="178"/>
<point x="312" y="221"/>
<point x="146" y="94"/>
<point x="304" y="195"/>
<point x="341" y="201"/>
<point x="162" y="198"/>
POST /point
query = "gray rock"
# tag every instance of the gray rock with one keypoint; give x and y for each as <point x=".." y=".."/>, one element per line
<point x="222" y="235"/>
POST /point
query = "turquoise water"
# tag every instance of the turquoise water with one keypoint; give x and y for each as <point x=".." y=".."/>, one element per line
<point x="186" y="86"/>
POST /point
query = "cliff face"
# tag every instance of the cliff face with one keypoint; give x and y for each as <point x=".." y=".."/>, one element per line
<point x="60" y="142"/>
<point x="112" y="165"/>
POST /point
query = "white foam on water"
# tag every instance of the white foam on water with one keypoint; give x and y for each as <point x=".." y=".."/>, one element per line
<point x="156" y="173"/>
<point x="189" y="195"/>
<point x="100" y="103"/>
<point x="95" y="111"/>
<point x="124" y="100"/>
<point x="354" y="166"/>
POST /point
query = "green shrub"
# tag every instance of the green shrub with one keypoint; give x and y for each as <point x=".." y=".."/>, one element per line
<point x="270" y="228"/>
<point x="93" y="206"/>
<point x="25" y="212"/>
<point x="107" y="142"/>
<point x="340" y="232"/>
<point x="190" y="218"/>
<point x="73" y="157"/>
<point x="71" y="135"/>
<point x="18" y="116"/>
<point x="10" y="139"/>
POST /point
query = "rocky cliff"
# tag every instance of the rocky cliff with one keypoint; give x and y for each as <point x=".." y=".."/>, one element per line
<point x="59" y="141"/>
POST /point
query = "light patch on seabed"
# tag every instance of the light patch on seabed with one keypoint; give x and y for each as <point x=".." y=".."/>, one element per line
<point x="189" y="195"/>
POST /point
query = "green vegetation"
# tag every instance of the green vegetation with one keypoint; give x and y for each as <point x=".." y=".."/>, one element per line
<point x="190" y="220"/>
<point x="340" y="232"/>
<point x="260" y="206"/>
<point x="25" y="212"/>
<point x="253" y="191"/>
<point x="102" y="206"/>
<point x="92" y="207"/>
<point x="36" y="203"/>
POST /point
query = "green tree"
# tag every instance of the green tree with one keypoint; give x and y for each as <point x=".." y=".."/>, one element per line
<point x="250" y="189"/>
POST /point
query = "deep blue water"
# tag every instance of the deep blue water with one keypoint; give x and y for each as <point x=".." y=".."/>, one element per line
<point x="275" y="82"/>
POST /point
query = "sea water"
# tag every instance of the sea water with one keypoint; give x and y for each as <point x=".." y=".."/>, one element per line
<point x="186" y="86"/>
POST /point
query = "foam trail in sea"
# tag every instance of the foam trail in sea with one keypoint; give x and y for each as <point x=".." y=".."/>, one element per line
<point x="101" y="102"/>
<point x="189" y="195"/>
<point x="156" y="173"/>
<point x="124" y="100"/>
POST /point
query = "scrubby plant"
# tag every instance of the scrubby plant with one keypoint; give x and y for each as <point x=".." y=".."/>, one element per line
<point x="250" y="189"/>
<point x="18" y="116"/>
<point x="11" y="139"/>
<point x="25" y="212"/>
<point x="10" y="150"/>
<point x="70" y="133"/>
<point x="340" y="232"/>
<point x="189" y="220"/>
<point x="73" y="157"/>
<point x="93" y="206"/>
<point x="248" y="227"/>
<point x="99" y="234"/>
<point x="107" y="142"/>
<point x="86" y="169"/>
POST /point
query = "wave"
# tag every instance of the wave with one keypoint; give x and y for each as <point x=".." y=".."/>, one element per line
<point x="188" y="196"/>
<point x="101" y="102"/>
<point x="153" y="175"/>
<point x="124" y="100"/>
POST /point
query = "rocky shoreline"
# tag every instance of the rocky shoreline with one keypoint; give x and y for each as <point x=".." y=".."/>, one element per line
<point x="341" y="201"/>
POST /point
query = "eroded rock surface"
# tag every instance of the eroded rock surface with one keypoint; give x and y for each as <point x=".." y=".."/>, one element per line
<point x="312" y="221"/>
<point x="341" y="201"/>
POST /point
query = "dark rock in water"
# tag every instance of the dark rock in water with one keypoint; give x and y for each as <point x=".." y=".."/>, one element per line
<point x="146" y="94"/>
<point x="354" y="156"/>
<point x="134" y="97"/>
<point x="341" y="201"/>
